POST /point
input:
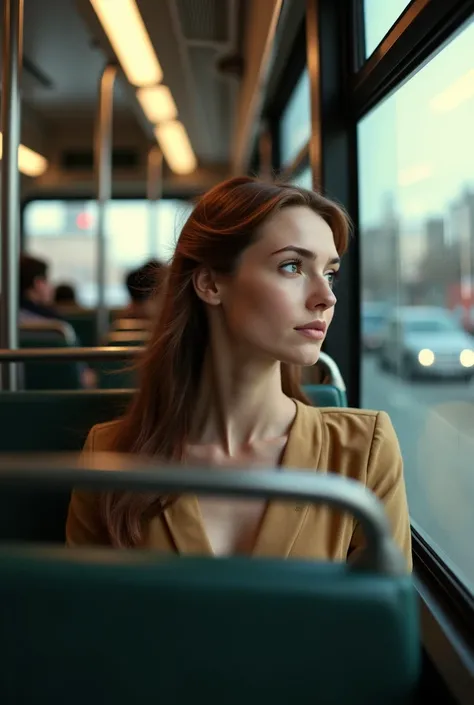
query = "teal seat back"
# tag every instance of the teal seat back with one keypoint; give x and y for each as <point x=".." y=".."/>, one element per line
<point x="85" y="326"/>
<point x="130" y="627"/>
<point x="116" y="375"/>
<point x="55" y="421"/>
<point x="47" y="422"/>
<point x="38" y="375"/>
<point x="325" y="395"/>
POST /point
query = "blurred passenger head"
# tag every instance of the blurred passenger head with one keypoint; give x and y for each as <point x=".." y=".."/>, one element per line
<point x="142" y="282"/>
<point x="34" y="284"/>
<point x="143" y="286"/>
<point x="64" y="294"/>
<point x="255" y="264"/>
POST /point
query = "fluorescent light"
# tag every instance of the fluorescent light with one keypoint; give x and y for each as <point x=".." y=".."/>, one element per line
<point x="458" y="92"/>
<point x="29" y="162"/>
<point x="175" y="145"/>
<point x="127" y="34"/>
<point x="157" y="103"/>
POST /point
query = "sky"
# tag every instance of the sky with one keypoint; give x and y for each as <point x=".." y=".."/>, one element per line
<point x="418" y="144"/>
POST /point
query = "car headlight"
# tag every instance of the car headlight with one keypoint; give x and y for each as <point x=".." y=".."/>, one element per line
<point x="426" y="357"/>
<point x="466" y="358"/>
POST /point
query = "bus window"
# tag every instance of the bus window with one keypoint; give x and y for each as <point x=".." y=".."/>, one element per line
<point x="379" y="17"/>
<point x="64" y="234"/>
<point x="416" y="191"/>
<point x="295" y="125"/>
<point x="303" y="179"/>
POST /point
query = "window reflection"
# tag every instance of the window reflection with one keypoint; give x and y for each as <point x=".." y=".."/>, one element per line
<point x="304" y="179"/>
<point x="295" y="124"/>
<point x="416" y="190"/>
<point x="379" y="17"/>
<point x="64" y="234"/>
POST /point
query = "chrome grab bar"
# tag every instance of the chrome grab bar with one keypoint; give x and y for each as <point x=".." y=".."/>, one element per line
<point x="123" y="352"/>
<point x="109" y="471"/>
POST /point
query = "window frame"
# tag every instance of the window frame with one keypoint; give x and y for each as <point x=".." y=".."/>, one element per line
<point x="277" y="101"/>
<point x="422" y="29"/>
<point x="345" y="86"/>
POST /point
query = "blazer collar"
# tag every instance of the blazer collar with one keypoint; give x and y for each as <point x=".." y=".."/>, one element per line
<point x="282" y="521"/>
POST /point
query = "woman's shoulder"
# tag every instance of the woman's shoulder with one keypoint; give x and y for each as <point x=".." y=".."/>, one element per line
<point x="362" y="420"/>
<point x="344" y="419"/>
<point x="334" y="436"/>
<point x="101" y="437"/>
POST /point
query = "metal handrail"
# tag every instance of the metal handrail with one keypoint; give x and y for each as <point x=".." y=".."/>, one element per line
<point x="109" y="471"/>
<point x="123" y="352"/>
<point x="333" y="370"/>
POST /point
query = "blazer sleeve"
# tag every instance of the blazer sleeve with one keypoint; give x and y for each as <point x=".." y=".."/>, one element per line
<point x="385" y="479"/>
<point x="84" y="525"/>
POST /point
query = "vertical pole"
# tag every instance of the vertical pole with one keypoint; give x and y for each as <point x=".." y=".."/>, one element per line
<point x="103" y="167"/>
<point x="333" y="154"/>
<point x="265" y="154"/>
<point x="311" y="375"/>
<point x="314" y="69"/>
<point x="154" y="193"/>
<point x="10" y="184"/>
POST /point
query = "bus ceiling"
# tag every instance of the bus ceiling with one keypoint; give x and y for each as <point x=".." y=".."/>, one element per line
<point x="212" y="62"/>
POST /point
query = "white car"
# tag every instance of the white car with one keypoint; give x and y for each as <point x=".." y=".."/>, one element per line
<point x="426" y="341"/>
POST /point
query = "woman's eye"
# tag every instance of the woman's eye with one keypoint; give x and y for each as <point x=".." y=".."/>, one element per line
<point x="291" y="267"/>
<point x="332" y="277"/>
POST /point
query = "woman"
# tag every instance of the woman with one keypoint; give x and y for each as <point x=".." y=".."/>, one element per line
<point x="249" y="299"/>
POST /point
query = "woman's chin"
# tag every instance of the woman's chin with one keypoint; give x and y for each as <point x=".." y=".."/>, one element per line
<point x="303" y="358"/>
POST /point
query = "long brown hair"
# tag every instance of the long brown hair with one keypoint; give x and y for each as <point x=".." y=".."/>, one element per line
<point x="224" y="222"/>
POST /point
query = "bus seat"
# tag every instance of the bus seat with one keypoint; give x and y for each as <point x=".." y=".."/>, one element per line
<point x="128" y="337"/>
<point x="134" y="627"/>
<point x="115" y="375"/>
<point x="57" y="420"/>
<point x="325" y="395"/>
<point x="46" y="375"/>
<point x="47" y="422"/>
<point x="130" y="324"/>
<point x="112" y="374"/>
<point x="85" y="326"/>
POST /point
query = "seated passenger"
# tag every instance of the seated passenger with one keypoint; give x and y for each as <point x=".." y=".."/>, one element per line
<point x="249" y="299"/>
<point x="36" y="295"/>
<point x="143" y="286"/>
<point x="65" y="298"/>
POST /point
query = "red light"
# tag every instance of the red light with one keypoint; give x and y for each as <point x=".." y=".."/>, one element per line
<point x="83" y="221"/>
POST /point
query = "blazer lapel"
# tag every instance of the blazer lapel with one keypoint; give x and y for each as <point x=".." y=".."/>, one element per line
<point x="283" y="521"/>
<point x="186" y="526"/>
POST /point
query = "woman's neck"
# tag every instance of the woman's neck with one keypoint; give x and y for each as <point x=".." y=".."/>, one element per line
<point x="240" y="402"/>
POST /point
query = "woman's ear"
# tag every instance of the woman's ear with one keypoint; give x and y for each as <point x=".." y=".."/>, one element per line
<point x="206" y="286"/>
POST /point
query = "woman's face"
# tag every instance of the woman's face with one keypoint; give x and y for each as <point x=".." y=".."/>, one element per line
<point x="280" y="299"/>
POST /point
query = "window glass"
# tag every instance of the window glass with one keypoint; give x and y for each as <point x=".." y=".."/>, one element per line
<point x="304" y="179"/>
<point x="416" y="186"/>
<point x="379" y="17"/>
<point x="64" y="234"/>
<point x="295" y="124"/>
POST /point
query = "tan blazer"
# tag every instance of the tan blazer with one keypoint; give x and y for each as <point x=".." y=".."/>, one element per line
<point x="355" y="443"/>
